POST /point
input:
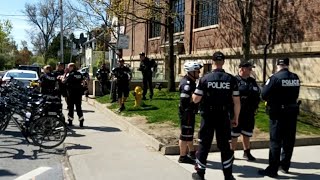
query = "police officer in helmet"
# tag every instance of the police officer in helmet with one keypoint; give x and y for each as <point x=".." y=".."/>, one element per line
<point x="74" y="86"/>
<point x="48" y="81"/>
<point x="216" y="92"/>
<point x="281" y="92"/>
<point x="250" y="98"/>
<point x="187" y="111"/>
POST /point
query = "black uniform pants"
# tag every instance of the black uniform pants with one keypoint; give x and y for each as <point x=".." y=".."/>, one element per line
<point x="282" y="138"/>
<point x="187" y="121"/>
<point x="104" y="87"/>
<point x="220" y="123"/>
<point x="74" y="100"/>
<point x="147" y="82"/>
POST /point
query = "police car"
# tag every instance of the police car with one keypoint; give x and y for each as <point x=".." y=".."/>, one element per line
<point x="25" y="76"/>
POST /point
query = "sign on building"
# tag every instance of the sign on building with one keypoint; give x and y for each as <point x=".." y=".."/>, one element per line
<point x="123" y="41"/>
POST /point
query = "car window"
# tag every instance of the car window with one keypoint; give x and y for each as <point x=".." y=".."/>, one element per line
<point x="21" y="75"/>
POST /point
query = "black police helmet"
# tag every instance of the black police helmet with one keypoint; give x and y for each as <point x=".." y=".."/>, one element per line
<point x="218" y="56"/>
<point x="283" y="61"/>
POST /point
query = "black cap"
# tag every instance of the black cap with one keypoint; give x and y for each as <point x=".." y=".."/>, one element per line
<point x="60" y="63"/>
<point x="218" y="56"/>
<point x="246" y="64"/>
<point x="284" y="61"/>
<point x="142" y="54"/>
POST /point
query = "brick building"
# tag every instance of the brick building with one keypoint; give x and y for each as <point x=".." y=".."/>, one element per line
<point x="204" y="26"/>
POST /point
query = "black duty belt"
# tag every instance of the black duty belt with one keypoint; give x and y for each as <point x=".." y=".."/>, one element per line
<point x="283" y="106"/>
<point x="217" y="108"/>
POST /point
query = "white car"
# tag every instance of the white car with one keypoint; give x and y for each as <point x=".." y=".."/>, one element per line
<point x="25" y="76"/>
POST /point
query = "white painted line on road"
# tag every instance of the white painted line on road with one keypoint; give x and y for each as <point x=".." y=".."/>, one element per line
<point x="33" y="173"/>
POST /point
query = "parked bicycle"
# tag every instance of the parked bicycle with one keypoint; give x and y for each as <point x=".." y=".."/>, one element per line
<point x="41" y="120"/>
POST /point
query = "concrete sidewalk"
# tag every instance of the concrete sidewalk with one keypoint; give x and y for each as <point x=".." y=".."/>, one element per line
<point x="107" y="148"/>
<point x="305" y="165"/>
<point x="102" y="150"/>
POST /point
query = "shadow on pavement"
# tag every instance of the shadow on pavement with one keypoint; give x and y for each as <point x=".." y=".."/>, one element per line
<point x="72" y="133"/>
<point x="4" y="172"/>
<point x="252" y="172"/>
<point x="99" y="128"/>
<point x="296" y="165"/>
<point x="87" y="111"/>
<point x="16" y="153"/>
<point x="13" y="145"/>
<point x="70" y="146"/>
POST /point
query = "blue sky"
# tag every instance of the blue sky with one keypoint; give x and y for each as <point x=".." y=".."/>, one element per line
<point x="11" y="10"/>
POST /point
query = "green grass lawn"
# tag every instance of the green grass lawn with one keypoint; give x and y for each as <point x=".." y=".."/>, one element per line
<point x="164" y="108"/>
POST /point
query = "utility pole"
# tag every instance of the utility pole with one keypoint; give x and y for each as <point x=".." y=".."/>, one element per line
<point x="61" y="31"/>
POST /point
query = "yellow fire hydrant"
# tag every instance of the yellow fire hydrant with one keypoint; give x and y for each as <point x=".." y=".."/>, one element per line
<point x="138" y="96"/>
<point x="34" y="84"/>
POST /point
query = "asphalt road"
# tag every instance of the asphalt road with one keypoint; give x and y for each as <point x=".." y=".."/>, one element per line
<point x="20" y="161"/>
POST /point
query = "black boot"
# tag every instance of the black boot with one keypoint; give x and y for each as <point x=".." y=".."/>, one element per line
<point x="248" y="156"/>
<point x="197" y="176"/>
<point x="70" y="123"/>
<point x="81" y="123"/>
<point x="186" y="159"/>
<point x="192" y="155"/>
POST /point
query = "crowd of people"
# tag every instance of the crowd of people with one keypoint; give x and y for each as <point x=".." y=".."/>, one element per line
<point x="68" y="83"/>
<point x="227" y="105"/>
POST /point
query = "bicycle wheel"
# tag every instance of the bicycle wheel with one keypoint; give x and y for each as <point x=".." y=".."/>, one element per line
<point x="48" y="132"/>
<point x="4" y="122"/>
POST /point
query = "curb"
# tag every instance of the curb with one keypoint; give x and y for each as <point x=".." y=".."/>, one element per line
<point x="127" y="126"/>
<point x="174" y="149"/>
<point x="255" y="144"/>
<point x="67" y="168"/>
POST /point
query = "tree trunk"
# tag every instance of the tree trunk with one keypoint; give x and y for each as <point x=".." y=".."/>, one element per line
<point x="46" y="46"/>
<point x="171" y="80"/>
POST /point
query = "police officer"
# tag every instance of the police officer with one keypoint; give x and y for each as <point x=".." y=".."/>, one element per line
<point x="281" y="92"/>
<point x="123" y="77"/>
<point x="187" y="111"/>
<point x="103" y="77"/>
<point x="250" y="98"/>
<point x="74" y="86"/>
<point x="48" y="81"/>
<point x="59" y="72"/>
<point x="216" y="92"/>
<point x="146" y="66"/>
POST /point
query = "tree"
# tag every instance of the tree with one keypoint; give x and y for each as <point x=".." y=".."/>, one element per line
<point x="146" y="11"/>
<point x="24" y="56"/>
<point x="5" y="30"/>
<point x="245" y="10"/>
<point x="8" y="47"/>
<point x="54" y="48"/>
<point x="43" y="16"/>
